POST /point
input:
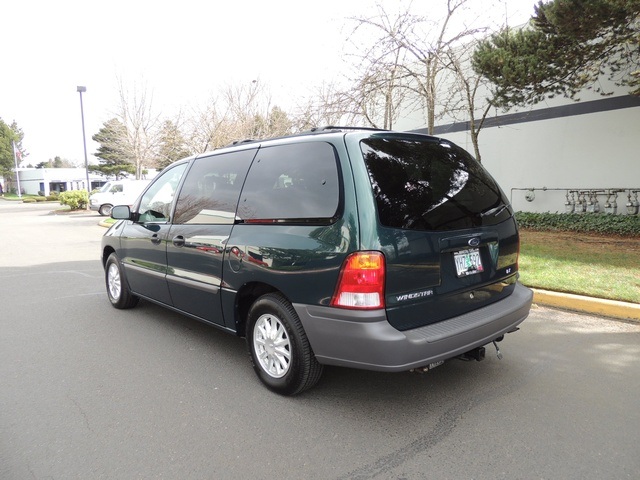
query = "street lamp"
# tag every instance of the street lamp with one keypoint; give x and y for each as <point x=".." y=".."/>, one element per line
<point x="80" y="90"/>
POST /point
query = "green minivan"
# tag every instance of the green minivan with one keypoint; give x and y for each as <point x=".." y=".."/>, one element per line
<point x="361" y="248"/>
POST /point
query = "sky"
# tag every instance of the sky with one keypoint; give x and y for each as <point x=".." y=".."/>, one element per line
<point x="181" y="52"/>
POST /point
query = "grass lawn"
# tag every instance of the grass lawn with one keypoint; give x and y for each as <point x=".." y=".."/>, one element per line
<point x="596" y="266"/>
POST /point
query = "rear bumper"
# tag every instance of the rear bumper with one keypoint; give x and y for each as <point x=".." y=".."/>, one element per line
<point x="365" y="340"/>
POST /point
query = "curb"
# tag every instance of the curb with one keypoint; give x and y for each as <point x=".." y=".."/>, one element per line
<point x="595" y="306"/>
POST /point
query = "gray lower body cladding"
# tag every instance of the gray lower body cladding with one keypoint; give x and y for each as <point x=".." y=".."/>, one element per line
<point x="364" y="339"/>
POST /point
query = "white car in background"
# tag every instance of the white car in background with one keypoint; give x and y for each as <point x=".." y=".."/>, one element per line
<point x="119" y="192"/>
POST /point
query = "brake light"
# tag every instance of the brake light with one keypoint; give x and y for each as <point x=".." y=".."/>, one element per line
<point x="361" y="282"/>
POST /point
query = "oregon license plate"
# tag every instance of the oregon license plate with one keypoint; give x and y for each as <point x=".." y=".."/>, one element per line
<point x="468" y="262"/>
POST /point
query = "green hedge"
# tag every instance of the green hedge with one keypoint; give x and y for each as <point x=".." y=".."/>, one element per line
<point x="622" y="225"/>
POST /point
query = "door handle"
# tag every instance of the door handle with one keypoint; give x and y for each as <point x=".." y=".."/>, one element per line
<point x="155" y="239"/>
<point x="178" y="241"/>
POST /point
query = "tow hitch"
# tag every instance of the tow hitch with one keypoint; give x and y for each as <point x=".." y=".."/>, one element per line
<point x="478" y="353"/>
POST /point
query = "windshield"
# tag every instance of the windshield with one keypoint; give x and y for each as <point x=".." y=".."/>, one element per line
<point x="429" y="184"/>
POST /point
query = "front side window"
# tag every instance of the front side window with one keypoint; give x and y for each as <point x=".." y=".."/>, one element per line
<point x="155" y="206"/>
<point x="211" y="189"/>
<point x="292" y="183"/>
<point x="425" y="184"/>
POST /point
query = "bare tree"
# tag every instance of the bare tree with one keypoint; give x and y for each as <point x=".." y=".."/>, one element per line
<point x="408" y="56"/>
<point x="469" y="92"/>
<point x="237" y="112"/>
<point x="327" y="105"/>
<point x="379" y="86"/>
<point x="209" y="128"/>
<point x="142" y="126"/>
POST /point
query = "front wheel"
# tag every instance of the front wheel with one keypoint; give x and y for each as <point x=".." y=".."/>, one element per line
<point x="117" y="288"/>
<point x="278" y="346"/>
<point x="105" y="210"/>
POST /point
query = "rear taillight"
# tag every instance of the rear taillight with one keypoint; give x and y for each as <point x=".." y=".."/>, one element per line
<point x="361" y="282"/>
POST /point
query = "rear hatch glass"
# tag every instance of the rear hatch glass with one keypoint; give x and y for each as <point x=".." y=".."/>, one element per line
<point x="446" y="229"/>
<point x="431" y="185"/>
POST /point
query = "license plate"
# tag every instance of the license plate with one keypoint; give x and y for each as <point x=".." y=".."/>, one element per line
<point x="468" y="262"/>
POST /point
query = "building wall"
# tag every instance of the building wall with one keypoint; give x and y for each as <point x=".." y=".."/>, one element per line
<point x="558" y="146"/>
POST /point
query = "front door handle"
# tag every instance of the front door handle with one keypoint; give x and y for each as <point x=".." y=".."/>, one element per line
<point x="178" y="241"/>
<point x="155" y="239"/>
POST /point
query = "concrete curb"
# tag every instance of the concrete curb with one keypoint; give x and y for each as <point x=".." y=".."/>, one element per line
<point x="595" y="306"/>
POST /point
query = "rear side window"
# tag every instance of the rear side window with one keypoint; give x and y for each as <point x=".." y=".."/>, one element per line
<point x="423" y="184"/>
<point x="297" y="182"/>
<point x="211" y="189"/>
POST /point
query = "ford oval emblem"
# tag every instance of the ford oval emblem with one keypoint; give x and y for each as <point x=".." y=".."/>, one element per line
<point x="474" y="242"/>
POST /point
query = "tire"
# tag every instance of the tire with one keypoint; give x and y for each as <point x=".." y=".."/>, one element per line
<point x="278" y="347"/>
<point x="117" y="288"/>
<point x="105" y="210"/>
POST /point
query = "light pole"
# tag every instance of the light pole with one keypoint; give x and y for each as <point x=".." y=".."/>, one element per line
<point x="80" y="90"/>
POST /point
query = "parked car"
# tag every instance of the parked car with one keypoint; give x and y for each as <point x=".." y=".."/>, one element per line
<point x="119" y="192"/>
<point x="360" y="248"/>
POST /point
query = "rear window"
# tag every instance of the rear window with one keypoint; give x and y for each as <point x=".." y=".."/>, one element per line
<point x="427" y="184"/>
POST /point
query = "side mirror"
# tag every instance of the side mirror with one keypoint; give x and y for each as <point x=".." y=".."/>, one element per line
<point x="121" y="212"/>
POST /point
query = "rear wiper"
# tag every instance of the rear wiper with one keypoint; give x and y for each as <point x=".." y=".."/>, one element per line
<point x="494" y="211"/>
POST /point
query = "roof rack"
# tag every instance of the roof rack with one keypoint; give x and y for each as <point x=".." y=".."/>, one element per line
<point x="327" y="128"/>
<point x="334" y="127"/>
<point x="240" y="142"/>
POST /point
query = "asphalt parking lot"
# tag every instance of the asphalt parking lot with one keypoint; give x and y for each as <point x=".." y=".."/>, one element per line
<point x="87" y="391"/>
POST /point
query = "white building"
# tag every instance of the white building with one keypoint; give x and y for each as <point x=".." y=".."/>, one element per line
<point x="47" y="180"/>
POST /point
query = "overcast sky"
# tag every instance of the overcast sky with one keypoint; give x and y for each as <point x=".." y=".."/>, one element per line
<point x="183" y="51"/>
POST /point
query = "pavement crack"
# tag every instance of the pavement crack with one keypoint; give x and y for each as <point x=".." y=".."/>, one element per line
<point x="83" y="414"/>
<point x="445" y="425"/>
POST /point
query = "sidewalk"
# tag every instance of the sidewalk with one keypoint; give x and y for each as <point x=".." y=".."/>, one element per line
<point x="595" y="306"/>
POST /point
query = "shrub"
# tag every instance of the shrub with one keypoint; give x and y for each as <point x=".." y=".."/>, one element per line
<point x="75" y="199"/>
<point x="41" y="193"/>
<point x="622" y="225"/>
<point x="29" y="200"/>
<point x="40" y="199"/>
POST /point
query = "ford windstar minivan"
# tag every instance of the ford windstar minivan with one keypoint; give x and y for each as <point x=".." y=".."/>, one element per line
<point x="360" y="248"/>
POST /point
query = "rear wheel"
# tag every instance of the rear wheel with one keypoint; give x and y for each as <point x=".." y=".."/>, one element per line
<point x="105" y="210"/>
<point x="279" y="349"/>
<point x="117" y="288"/>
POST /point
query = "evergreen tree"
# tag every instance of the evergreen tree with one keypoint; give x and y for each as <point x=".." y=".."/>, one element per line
<point x="568" y="46"/>
<point x="10" y="134"/>
<point x="57" y="162"/>
<point x="112" y="153"/>
<point x="172" y="145"/>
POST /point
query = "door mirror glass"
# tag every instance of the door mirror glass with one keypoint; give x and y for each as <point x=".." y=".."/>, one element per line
<point x="121" y="212"/>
